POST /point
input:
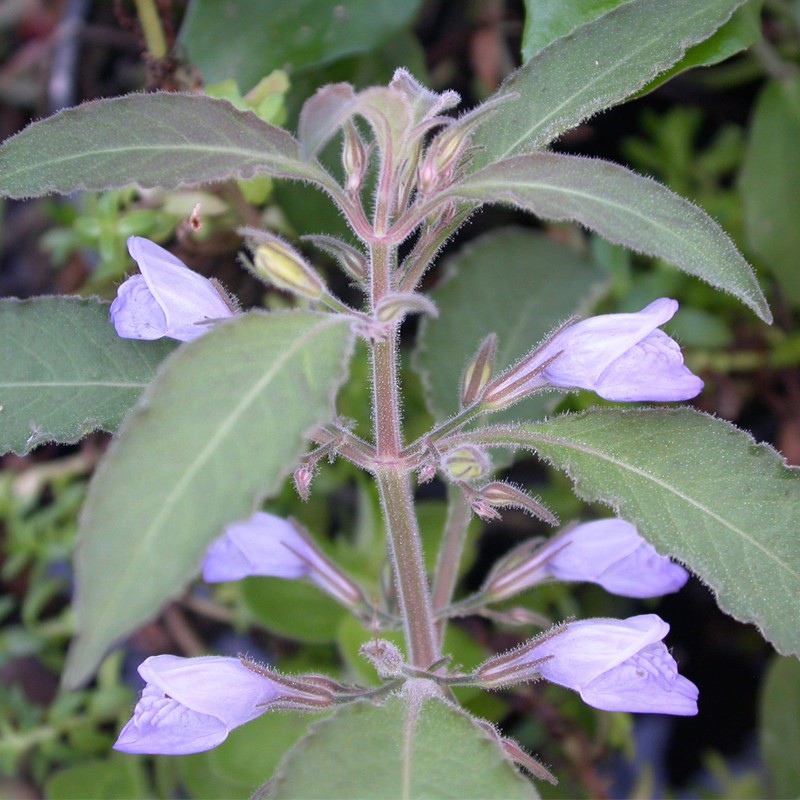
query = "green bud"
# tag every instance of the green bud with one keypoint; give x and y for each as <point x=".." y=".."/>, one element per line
<point x="281" y="265"/>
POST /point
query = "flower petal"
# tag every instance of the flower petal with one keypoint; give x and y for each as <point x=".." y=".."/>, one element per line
<point x="135" y="313"/>
<point x="262" y="545"/>
<point x="189" y="301"/>
<point x="162" y="726"/>
<point x="648" y="682"/>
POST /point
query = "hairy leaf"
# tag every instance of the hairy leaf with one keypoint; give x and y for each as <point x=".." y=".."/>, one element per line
<point x="489" y="289"/>
<point x="217" y="430"/>
<point x="624" y="208"/>
<point x="599" y="65"/>
<point x="409" y="747"/>
<point x="701" y="491"/>
<point x="147" y="140"/>
<point x="64" y="371"/>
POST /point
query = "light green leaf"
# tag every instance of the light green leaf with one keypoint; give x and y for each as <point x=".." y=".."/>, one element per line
<point x="701" y="491"/>
<point x="218" y="428"/>
<point x="248" y="39"/>
<point x="490" y="288"/>
<point x="119" y="777"/>
<point x="780" y="726"/>
<point x="769" y="180"/>
<point x="599" y="65"/>
<point x="548" y="20"/>
<point x="147" y="140"/>
<point x="407" y="748"/>
<point x="64" y="371"/>
<point x="624" y="208"/>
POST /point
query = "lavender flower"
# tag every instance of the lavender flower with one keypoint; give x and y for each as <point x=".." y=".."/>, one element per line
<point x="615" y="665"/>
<point x="167" y="299"/>
<point x="622" y="357"/>
<point x="609" y="552"/>
<point x="191" y="704"/>
<point x="270" y="546"/>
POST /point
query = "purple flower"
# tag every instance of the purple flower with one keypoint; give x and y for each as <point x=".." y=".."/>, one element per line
<point x="608" y="552"/>
<point x="622" y="357"/>
<point x="191" y="704"/>
<point x="270" y="546"/>
<point x="615" y="665"/>
<point x="167" y="299"/>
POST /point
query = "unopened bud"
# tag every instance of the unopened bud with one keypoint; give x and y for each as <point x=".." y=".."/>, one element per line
<point x="384" y="656"/>
<point x="466" y="464"/>
<point x="393" y="307"/>
<point x="528" y="762"/>
<point x="302" y="482"/>
<point x="441" y="159"/>
<point x="426" y="474"/>
<point x="354" y="158"/>
<point x="500" y="494"/>
<point x="352" y="261"/>
<point x="483" y="510"/>
<point x="281" y="265"/>
<point x="478" y="372"/>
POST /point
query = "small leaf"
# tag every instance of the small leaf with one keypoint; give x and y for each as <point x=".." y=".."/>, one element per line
<point x="701" y="491"/>
<point x="624" y="208"/>
<point x="323" y="114"/>
<point x="64" y="371"/>
<point x="780" y="726"/>
<point x="769" y="180"/>
<point x="403" y="749"/>
<point x="489" y="289"/>
<point x="598" y="66"/>
<point x="219" y="428"/>
<point x="147" y="140"/>
<point x="247" y="39"/>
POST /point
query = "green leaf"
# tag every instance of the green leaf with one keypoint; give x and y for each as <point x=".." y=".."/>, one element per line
<point x="148" y="140"/>
<point x="701" y="491"/>
<point x="119" y="777"/>
<point x="548" y="20"/>
<point x="65" y="372"/>
<point x="216" y="431"/>
<point x="624" y="208"/>
<point x="488" y="289"/>
<point x="769" y="180"/>
<point x="274" y="602"/>
<point x="248" y="39"/>
<point x="599" y="65"/>
<point x="780" y="726"/>
<point x="409" y="747"/>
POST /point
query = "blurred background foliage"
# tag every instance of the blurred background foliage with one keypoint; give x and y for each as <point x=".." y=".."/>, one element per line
<point x="725" y="136"/>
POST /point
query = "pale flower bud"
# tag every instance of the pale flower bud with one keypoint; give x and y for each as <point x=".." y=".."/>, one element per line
<point x="278" y="263"/>
<point x="500" y="494"/>
<point x="478" y="372"/>
<point x="466" y="464"/>
<point x="384" y="656"/>
<point x="354" y="158"/>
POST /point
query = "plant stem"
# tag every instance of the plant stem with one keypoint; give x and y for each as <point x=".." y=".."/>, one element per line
<point x="450" y="556"/>
<point x="151" y="28"/>
<point x="394" y="484"/>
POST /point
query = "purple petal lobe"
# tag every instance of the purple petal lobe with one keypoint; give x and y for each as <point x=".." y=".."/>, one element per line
<point x="135" y="313"/>
<point x="611" y="553"/>
<point x="262" y="545"/>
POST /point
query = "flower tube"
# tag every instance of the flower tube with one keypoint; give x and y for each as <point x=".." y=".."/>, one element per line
<point x="167" y="299"/>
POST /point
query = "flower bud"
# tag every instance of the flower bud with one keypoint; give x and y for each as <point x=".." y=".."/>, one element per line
<point x="478" y="372"/>
<point x="384" y="656"/>
<point x="391" y="308"/>
<point x="302" y="482"/>
<point x="466" y="464"/>
<point x="278" y="263"/>
<point x="352" y="261"/>
<point x="441" y="160"/>
<point x="354" y="158"/>
<point x="500" y="494"/>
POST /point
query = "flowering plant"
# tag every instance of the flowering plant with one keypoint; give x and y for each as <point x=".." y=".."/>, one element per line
<point x="242" y="398"/>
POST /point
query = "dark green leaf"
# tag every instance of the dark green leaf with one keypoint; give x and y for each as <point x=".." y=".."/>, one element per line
<point x="769" y="180"/>
<point x="599" y="65"/>
<point x="65" y="372"/>
<point x="780" y="726"/>
<point x="219" y="427"/>
<point x="248" y="39"/>
<point x="148" y="140"/>
<point x="624" y="208"/>
<point x="701" y="491"/>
